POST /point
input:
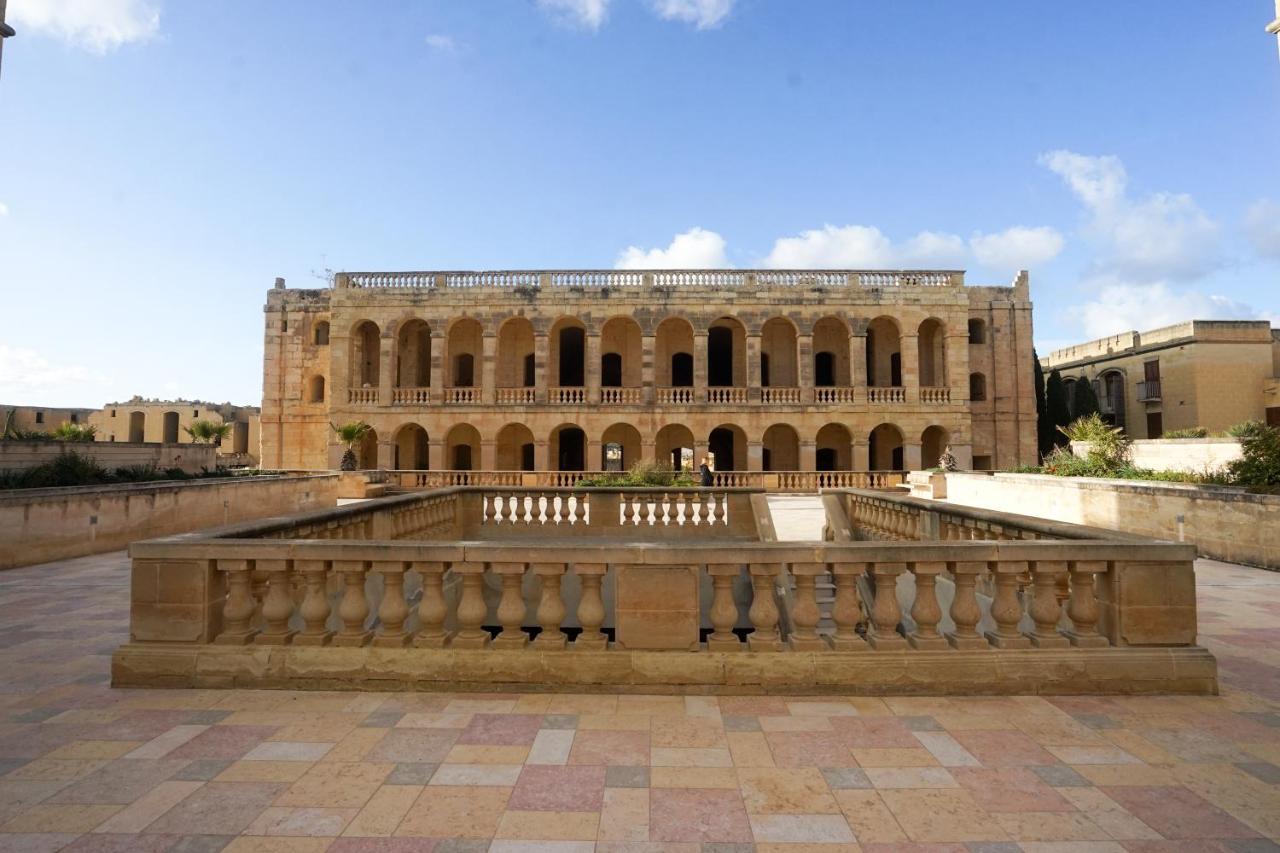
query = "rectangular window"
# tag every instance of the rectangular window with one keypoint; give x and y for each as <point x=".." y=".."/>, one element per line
<point x="39" y="417"/>
<point x="113" y="413"/>
<point x="1155" y="425"/>
<point x="75" y="417"/>
<point x="195" y="413"/>
<point x="1151" y="370"/>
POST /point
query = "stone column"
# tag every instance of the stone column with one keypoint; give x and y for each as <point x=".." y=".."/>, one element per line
<point x="861" y="455"/>
<point x="386" y="454"/>
<point x="911" y="456"/>
<point x="489" y="368"/>
<point x="753" y="367"/>
<point x="648" y="357"/>
<point x="435" y="453"/>
<point x="386" y="369"/>
<point x="909" y="350"/>
<point x="649" y="449"/>
<point x="858" y="363"/>
<point x="808" y="454"/>
<point x="755" y="456"/>
<point x="438" y="359"/>
<point x="594" y="460"/>
<point x="541" y="452"/>
<point x="804" y="372"/>
<point x="592" y="372"/>
<point x="488" y="455"/>
<point x="541" y="355"/>
<point x="700" y="364"/>
<point x="957" y="363"/>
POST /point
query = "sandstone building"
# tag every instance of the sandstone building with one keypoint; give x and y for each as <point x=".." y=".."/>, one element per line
<point x="589" y="370"/>
<point x="1202" y="373"/>
<point x="166" y="421"/>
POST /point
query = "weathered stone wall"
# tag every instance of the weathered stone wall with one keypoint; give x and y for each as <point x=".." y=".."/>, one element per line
<point x="1226" y="524"/>
<point x="1177" y="454"/>
<point x="40" y="525"/>
<point x="191" y="458"/>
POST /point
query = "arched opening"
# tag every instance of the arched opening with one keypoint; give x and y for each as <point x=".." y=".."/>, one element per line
<point x="530" y="371"/>
<point x="728" y="447"/>
<point x="137" y="426"/>
<point x="413" y="355"/>
<point x="465" y="347"/>
<point x="977" y="331"/>
<point x="726" y="354"/>
<point x="170" y="428"/>
<point x="315" y="390"/>
<point x="977" y="387"/>
<point x="569" y="448"/>
<point x="778" y="361"/>
<point x="620" y="448"/>
<point x="1111" y="397"/>
<point x="932" y="347"/>
<point x="673" y="445"/>
<point x="240" y="437"/>
<point x="516" y="353"/>
<point x="673" y="353"/>
<point x="511" y="453"/>
<point x="834" y="448"/>
<point x="620" y="353"/>
<point x="320" y="334"/>
<point x="411" y="451"/>
<point x="831" y="353"/>
<point x="569" y="352"/>
<point x="1069" y="383"/>
<point x="780" y="449"/>
<point x="367" y="451"/>
<point x="884" y="356"/>
<point x="885" y="448"/>
<point x="365" y="359"/>
<point x="462" y="447"/>
<point x="933" y="441"/>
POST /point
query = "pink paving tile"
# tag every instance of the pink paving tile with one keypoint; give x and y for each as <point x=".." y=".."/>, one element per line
<point x="767" y="706"/>
<point x="682" y="814"/>
<point x="502" y="729"/>
<point x="874" y="732"/>
<point x="1198" y="846"/>
<point x="1003" y="748"/>
<point x="1177" y="813"/>
<point x="810" y="749"/>
<point x="224" y="742"/>
<point x="414" y="745"/>
<point x="629" y="749"/>
<point x="382" y="845"/>
<point x="909" y="847"/>
<point x="1010" y="789"/>
<point x="559" y="789"/>
<point x="102" y="843"/>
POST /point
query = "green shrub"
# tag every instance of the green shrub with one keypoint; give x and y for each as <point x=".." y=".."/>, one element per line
<point x="642" y="474"/>
<point x="1259" y="464"/>
<point x="75" y="432"/>
<point x="1245" y="429"/>
<point x="1108" y="447"/>
<point x="1189" y="432"/>
<point x="69" y="469"/>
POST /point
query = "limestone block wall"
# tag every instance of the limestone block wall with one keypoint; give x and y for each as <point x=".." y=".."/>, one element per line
<point x="1225" y="524"/>
<point x="1176" y="454"/>
<point x="40" y="525"/>
<point x="191" y="458"/>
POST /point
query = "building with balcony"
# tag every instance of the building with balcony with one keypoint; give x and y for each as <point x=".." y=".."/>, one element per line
<point x="1202" y="373"/>
<point x="597" y="370"/>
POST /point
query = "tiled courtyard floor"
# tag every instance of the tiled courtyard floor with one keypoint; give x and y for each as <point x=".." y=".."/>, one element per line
<point x="85" y="767"/>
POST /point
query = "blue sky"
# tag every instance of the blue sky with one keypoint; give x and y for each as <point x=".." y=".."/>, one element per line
<point x="161" y="161"/>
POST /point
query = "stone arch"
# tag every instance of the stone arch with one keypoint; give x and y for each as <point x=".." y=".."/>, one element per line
<point x="1110" y="391"/>
<point x="619" y="444"/>
<point x="884" y="353"/>
<point x="413" y="354"/>
<point x="727" y="444"/>
<point x="977" y="387"/>
<point x="931" y="343"/>
<point x="515" y="448"/>
<point x="137" y="426"/>
<point x="780" y="449"/>
<point x="462" y="448"/>
<point x="933" y="441"/>
<point x="169" y="431"/>
<point x="411" y="448"/>
<point x="673" y="353"/>
<point x="885" y="448"/>
<point x="621" y="352"/>
<point x="465" y="349"/>
<point x="366" y="360"/>
<point x="568" y="353"/>
<point x="779" y="358"/>
<point x="834" y="448"/>
<point x="726" y="353"/>
<point x="568" y="448"/>
<point x="367" y="451"/>
<point x="831" y="365"/>
<point x="516" y="343"/>
<point x="674" y="446"/>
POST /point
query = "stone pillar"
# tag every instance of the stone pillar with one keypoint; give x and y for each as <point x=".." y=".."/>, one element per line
<point x="808" y="455"/>
<point x="755" y="456"/>
<point x="541" y="355"/>
<point x="957" y="363"/>
<point x="647" y="359"/>
<point x="489" y="368"/>
<point x="488" y="455"/>
<point x="592" y="372"/>
<point x="435" y="454"/>
<point x="386" y="369"/>
<point x="804" y="372"/>
<point x="861" y="455"/>
<point x="858" y="361"/>
<point x="595" y="459"/>
<point x="963" y="454"/>
<point x="386" y="454"/>
<point x="753" y="369"/>
<point x="541" y="452"/>
<point x="700" y="364"/>
<point x="909" y="349"/>
<point x="649" y="449"/>
<point x="438" y="358"/>
<point x="911" y="456"/>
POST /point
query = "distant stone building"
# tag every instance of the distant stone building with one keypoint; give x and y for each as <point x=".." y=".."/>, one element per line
<point x="167" y="420"/>
<point x="42" y="418"/>
<point x="1202" y="373"/>
<point x="587" y="370"/>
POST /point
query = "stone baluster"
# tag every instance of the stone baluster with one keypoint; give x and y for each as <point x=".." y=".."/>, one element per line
<point x="885" y="613"/>
<point x="1046" y="610"/>
<point x="965" y="611"/>
<point x="393" y="610"/>
<point x="353" y="609"/>
<point x="277" y="604"/>
<point x="805" y="612"/>
<point x="550" y="607"/>
<point x="471" y="608"/>
<point x="315" y="603"/>
<point x="704" y="509"/>
<point x="724" y="611"/>
<point x="845" y="610"/>
<point x="591" y="607"/>
<point x="722" y="506"/>
<point x="432" y="610"/>
<point x="764" y="612"/>
<point x="237" y="613"/>
<point x="628" y="510"/>
<point x="925" y="609"/>
<point x="580" y="508"/>
<point x="511" y="608"/>
<point x="1006" y="607"/>
<point x="1083" y="606"/>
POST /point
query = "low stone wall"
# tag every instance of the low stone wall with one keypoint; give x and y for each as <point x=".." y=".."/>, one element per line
<point x="39" y="525"/>
<point x="191" y="458"/>
<point x="1176" y="454"/>
<point x="1223" y="523"/>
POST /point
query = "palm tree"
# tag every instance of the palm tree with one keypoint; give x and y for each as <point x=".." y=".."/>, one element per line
<point x="350" y="434"/>
<point x="207" y="432"/>
<point x="68" y="431"/>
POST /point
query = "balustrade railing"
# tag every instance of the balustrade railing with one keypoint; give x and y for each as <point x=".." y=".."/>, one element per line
<point x="935" y="395"/>
<point x="621" y="396"/>
<point x="512" y="279"/>
<point x="362" y="396"/>
<point x="675" y="396"/>
<point x="517" y="396"/>
<point x="726" y="395"/>
<point x="780" y="481"/>
<point x="567" y="396"/>
<point x="462" y="395"/>
<point x="775" y="395"/>
<point x="877" y="394"/>
<point x="410" y="396"/>
<point x="833" y="394"/>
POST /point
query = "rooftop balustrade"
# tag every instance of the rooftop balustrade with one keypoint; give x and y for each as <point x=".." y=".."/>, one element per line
<point x="717" y="279"/>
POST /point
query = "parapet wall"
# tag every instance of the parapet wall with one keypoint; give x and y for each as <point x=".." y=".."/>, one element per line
<point x="1193" y="455"/>
<point x="191" y="458"/>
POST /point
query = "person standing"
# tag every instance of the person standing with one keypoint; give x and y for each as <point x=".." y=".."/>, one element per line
<point x="704" y="471"/>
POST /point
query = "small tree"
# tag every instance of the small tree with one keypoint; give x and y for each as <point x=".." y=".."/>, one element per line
<point x="1056" y="406"/>
<point x="207" y="432"/>
<point x="1259" y="464"/>
<point x="1084" y="400"/>
<point x="350" y="434"/>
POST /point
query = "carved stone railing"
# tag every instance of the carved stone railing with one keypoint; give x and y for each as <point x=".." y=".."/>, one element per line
<point x="517" y="396"/>
<point x="567" y="396"/>
<point x="621" y="396"/>
<point x="833" y="394"/>
<point x="704" y="278"/>
<point x="681" y="396"/>
<point x="721" y="396"/>
<point x="776" y="395"/>
<point x="462" y="395"/>
<point x="935" y="395"/>
<point x="812" y="481"/>
<point x="774" y="481"/>
<point x="410" y="396"/>
<point x="362" y="396"/>
<point x="635" y="513"/>
<point x="882" y="395"/>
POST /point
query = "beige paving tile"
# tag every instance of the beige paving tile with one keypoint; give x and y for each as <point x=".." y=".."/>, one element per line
<point x="142" y="812"/>
<point x="455" y="812"/>
<point x="945" y="815"/>
<point x="336" y="785"/>
<point x="59" y="818"/>
<point x="625" y="815"/>
<point x="786" y="791"/>
<point x="549" y="826"/>
<point x="384" y="811"/>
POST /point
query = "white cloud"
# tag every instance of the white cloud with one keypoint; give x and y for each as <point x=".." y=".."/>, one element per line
<point x="1017" y="248"/>
<point x="864" y="247"/>
<point x="1158" y="237"/>
<point x="1262" y="227"/>
<point x="589" y="14"/>
<point x="1120" y="307"/>
<point x="441" y="42"/>
<point x="696" y="248"/>
<point x="24" y="372"/>
<point x="99" y="26"/>
<point x="703" y="14"/>
<point x="4" y="209"/>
